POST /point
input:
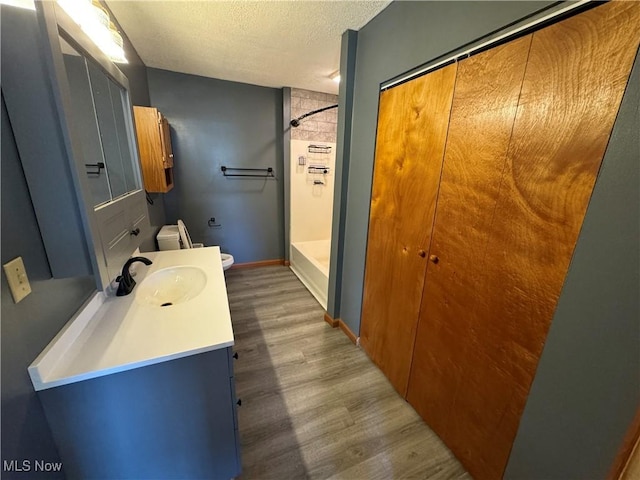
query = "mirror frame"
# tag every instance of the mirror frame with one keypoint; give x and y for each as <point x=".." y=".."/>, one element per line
<point x="55" y="23"/>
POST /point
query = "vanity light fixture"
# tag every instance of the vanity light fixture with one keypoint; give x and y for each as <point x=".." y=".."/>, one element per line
<point x="335" y="76"/>
<point x="94" y="20"/>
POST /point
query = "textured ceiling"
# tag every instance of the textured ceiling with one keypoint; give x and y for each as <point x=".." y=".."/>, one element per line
<point x="269" y="43"/>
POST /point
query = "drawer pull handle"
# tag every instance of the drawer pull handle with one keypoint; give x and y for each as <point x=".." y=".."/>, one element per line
<point x="239" y="402"/>
<point x="135" y="232"/>
<point x="235" y="355"/>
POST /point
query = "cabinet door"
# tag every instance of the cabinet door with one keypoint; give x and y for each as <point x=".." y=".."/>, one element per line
<point x="102" y="88"/>
<point x="124" y="129"/>
<point x="169" y="420"/>
<point x="508" y="220"/>
<point x="123" y="224"/>
<point x="85" y="122"/>
<point x="150" y="146"/>
<point x="156" y="155"/>
<point x="412" y="129"/>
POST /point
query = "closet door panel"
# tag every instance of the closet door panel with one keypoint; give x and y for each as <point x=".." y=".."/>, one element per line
<point x="498" y="299"/>
<point x="412" y="128"/>
<point x="484" y="109"/>
<point x="576" y="75"/>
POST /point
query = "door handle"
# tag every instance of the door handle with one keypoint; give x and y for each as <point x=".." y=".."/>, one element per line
<point x="135" y="232"/>
<point x="422" y="253"/>
<point x="434" y="258"/>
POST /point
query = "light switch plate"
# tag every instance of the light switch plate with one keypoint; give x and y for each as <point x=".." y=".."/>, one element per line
<point x="17" y="279"/>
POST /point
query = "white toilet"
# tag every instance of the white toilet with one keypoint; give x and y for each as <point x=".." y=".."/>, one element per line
<point x="175" y="237"/>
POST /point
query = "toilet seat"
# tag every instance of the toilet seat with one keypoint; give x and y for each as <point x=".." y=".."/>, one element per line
<point x="185" y="240"/>
<point x="184" y="235"/>
<point x="227" y="260"/>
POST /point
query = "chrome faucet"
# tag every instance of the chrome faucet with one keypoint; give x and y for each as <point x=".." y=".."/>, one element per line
<point x="126" y="281"/>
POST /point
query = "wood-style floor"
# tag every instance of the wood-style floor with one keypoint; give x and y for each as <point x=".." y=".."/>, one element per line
<point x="313" y="404"/>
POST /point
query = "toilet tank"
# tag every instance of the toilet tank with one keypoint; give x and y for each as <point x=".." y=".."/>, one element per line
<point x="168" y="238"/>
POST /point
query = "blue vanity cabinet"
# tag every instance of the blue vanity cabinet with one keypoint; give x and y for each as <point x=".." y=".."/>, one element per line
<point x="237" y="402"/>
<point x="174" y="419"/>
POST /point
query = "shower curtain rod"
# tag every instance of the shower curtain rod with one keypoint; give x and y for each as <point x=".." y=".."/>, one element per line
<point x="509" y="32"/>
<point x="296" y="121"/>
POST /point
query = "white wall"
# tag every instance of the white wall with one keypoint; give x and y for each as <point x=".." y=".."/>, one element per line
<point x="311" y="205"/>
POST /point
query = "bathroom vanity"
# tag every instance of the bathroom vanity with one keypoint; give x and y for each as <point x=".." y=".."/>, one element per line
<point x="133" y="390"/>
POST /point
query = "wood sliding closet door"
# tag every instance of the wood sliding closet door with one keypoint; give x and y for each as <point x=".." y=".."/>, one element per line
<point x="455" y="321"/>
<point x="513" y="196"/>
<point x="412" y="130"/>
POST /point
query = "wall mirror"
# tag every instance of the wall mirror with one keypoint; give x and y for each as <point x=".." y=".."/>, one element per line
<point x="99" y="116"/>
<point x="96" y="119"/>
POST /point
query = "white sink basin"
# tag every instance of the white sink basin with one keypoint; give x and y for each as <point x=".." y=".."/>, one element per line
<point x="171" y="286"/>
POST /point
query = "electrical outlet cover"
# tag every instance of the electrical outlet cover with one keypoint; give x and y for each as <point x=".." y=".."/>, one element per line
<point x="17" y="279"/>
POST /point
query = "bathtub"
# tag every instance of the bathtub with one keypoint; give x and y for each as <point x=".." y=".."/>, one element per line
<point x="310" y="262"/>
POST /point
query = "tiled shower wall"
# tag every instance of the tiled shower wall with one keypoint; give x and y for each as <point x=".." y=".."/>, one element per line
<point x="321" y="127"/>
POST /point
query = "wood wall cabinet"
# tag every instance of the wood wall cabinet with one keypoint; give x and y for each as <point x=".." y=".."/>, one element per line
<point x="156" y="154"/>
<point x="464" y="271"/>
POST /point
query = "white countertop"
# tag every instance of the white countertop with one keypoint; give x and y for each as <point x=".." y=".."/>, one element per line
<point x="112" y="334"/>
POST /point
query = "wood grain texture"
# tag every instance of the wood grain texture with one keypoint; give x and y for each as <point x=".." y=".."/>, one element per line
<point x="260" y="263"/>
<point x="347" y="331"/>
<point x="152" y="144"/>
<point x="412" y="129"/>
<point x="330" y="320"/>
<point x="632" y="469"/>
<point x="484" y="108"/>
<point x="313" y="405"/>
<point x="505" y="233"/>
<point x="626" y="465"/>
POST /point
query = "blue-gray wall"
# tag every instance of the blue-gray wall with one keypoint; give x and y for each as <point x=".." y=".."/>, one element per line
<point x="286" y="153"/>
<point x="215" y="123"/>
<point x="348" y="55"/>
<point x="27" y="327"/>
<point x="586" y="386"/>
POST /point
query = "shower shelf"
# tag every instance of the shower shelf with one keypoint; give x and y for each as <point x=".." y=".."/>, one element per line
<point x="257" y="172"/>
<point x="318" y="169"/>
<point x="326" y="149"/>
